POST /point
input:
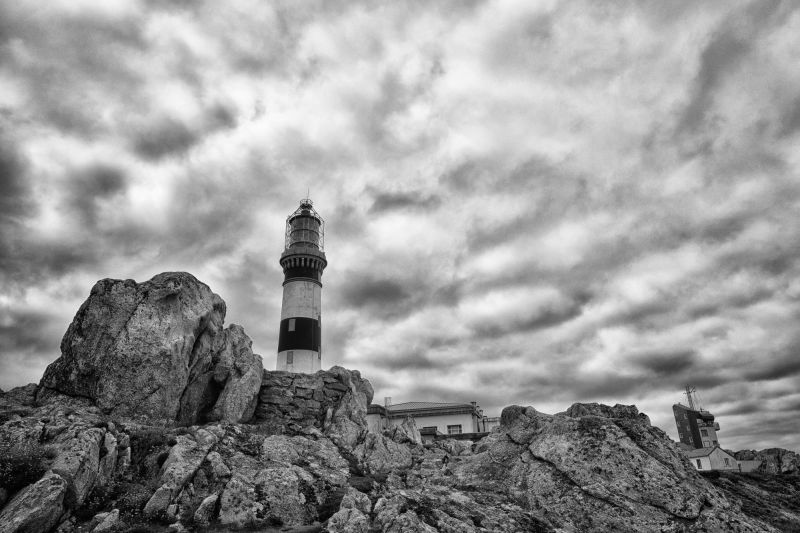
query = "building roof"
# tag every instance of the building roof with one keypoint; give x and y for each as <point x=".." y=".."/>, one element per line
<point x="700" y="452"/>
<point x="410" y="406"/>
<point x="703" y="452"/>
<point x="375" y="409"/>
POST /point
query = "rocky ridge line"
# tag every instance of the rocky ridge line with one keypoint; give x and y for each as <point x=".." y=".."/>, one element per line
<point x="306" y="460"/>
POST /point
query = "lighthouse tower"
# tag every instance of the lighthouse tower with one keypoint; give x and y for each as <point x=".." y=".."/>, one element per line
<point x="303" y="260"/>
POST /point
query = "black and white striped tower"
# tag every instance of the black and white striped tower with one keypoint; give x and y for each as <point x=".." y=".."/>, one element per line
<point x="303" y="260"/>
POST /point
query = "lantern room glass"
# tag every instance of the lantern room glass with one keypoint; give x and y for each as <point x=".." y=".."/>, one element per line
<point x="305" y="228"/>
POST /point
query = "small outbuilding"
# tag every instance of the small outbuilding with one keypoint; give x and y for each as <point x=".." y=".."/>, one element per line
<point x="712" y="458"/>
<point x="434" y="419"/>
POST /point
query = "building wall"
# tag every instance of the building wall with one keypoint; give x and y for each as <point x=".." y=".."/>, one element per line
<point x="708" y="436"/>
<point x="701" y="463"/>
<point x="686" y="422"/>
<point x="715" y="461"/>
<point x="467" y="421"/>
<point x="376" y="423"/>
<point x="306" y="361"/>
<point x="749" y="466"/>
<point x="300" y="399"/>
<point x="490" y="422"/>
<point x="301" y="298"/>
<point x="718" y="457"/>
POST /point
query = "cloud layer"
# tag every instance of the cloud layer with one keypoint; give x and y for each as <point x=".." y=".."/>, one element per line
<point x="533" y="203"/>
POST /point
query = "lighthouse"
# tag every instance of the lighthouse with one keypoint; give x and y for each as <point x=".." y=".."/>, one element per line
<point x="302" y="260"/>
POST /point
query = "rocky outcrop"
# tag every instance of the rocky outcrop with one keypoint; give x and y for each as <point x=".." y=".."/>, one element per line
<point x="157" y="350"/>
<point x="605" y="468"/>
<point x="773" y="460"/>
<point x="773" y="499"/>
<point x="289" y="402"/>
<point x="306" y="459"/>
<point x="353" y="513"/>
<point x="37" y="508"/>
<point x="537" y="472"/>
<point x="183" y="461"/>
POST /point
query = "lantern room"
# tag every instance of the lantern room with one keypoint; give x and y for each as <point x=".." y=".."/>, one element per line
<point x="305" y="228"/>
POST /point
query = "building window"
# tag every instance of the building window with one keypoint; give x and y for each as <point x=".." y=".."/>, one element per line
<point x="290" y="357"/>
<point x="706" y="444"/>
<point x="291" y="324"/>
<point x="454" y="430"/>
<point x="699" y="465"/>
<point x="704" y="433"/>
<point x="716" y="443"/>
<point x="727" y="462"/>
<point x="431" y="429"/>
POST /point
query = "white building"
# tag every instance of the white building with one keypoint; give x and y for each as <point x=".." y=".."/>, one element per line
<point x="712" y="458"/>
<point x="433" y="418"/>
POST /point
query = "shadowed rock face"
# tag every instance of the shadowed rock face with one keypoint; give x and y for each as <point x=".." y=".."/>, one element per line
<point x="158" y="350"/>
<point x="139" y="355"/>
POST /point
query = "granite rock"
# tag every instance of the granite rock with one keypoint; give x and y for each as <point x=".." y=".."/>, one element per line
<point x="151" y="349"/>
<point x="37" y="508"/>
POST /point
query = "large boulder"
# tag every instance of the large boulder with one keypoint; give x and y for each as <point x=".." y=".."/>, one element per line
<point x="153" y="350"/>
<point x="37" y="508"/>
<point x="596" y="468"/>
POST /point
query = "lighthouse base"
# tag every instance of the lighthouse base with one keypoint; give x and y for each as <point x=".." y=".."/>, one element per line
<point x="302" y="361"/>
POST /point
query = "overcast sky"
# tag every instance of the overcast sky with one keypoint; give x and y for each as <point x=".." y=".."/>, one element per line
<point x="533" y="203"/>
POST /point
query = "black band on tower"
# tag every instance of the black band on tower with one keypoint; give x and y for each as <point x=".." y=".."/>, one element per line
<point x="301" y="272"/>
<point x="307" y="335"/>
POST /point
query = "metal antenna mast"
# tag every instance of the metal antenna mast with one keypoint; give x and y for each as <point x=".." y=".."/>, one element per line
<point x="689" y="391"/>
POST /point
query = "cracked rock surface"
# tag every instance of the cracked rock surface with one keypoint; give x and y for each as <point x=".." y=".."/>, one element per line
<point x="157" y="350"/>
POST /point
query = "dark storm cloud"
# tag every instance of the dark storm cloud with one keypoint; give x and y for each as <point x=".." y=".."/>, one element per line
<point x="392" y="298"/>
<point x="741" y="408"/>
<point x="213" y="209"/>
<point x="721" y="54"/>
<point x="725" y="51"/>
<point x="642" y="314"/>
<point x="782" y="365"/>
<point x="358" y="291"/>
<point x="665" y="363"/>
<point x="166" y="136"/>
<point x="390" y="201"/>
<point x="586" y="388"/>
<point x="540" y="318"/>
<point x="415" y="361"/>
<point x="16" y="205"/>
<point x="791" y="406"/>
<point x="14" y="187"/>
<point x="395" y="96"/>
<point x="28" y="331"/>
<point x="790" y="118"/>
<point x="773" y="258"/>
<point x="346" y="221"/>
<point x="467" y="175"/>
<point x="76" y="57"/>
<point x="767" y="430"/>
<point x="728" y="302"/>
<point x="90" y="187"/>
